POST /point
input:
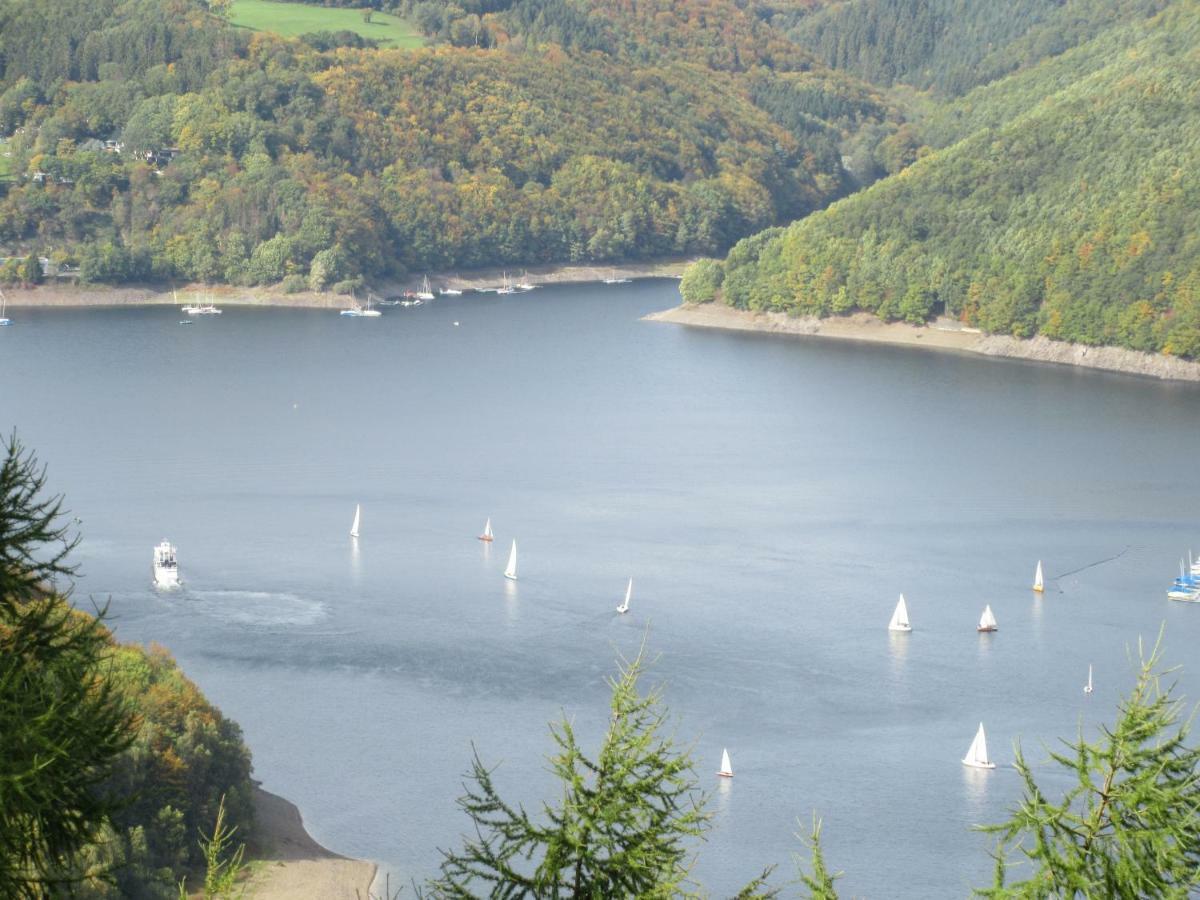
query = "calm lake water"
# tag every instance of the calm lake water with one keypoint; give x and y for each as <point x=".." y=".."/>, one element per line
<point x="770" y="497"/>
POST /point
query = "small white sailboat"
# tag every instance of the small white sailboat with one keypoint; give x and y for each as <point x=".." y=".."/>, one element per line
<point x="450" y="292"/>
<point x="426" y="292"/>
<point x="977" y="755"/>
<point x="624" y="607"/>
<point x="357" y="520"/>
<point x="3" y="303"/>
<point x="1038" y="583"/>
<point x="524" y="284"/>
<point x="613" y="279"/>
<point x="987" y="622"/>
<point x="507" y="287"/>
<point x="900" y="618"/>
<point x="1087" y="688"/>
<point x="487" y="532"/>
<point x="166" y="567"/>
<point x="510" y="571"/>
<point x="726" y="770"/>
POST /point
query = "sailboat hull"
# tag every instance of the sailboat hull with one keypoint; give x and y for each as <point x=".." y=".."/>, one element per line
<point x="900" y="629"/>
<point x="982" y="629"/>
<point x="484" y="537"/>
<point x="1039" y="589"/>
<point x="510" y="577"/>
<point x="971" y="764"/>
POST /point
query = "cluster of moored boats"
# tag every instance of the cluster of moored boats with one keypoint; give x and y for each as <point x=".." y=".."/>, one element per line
<point x="1186" y="587"/>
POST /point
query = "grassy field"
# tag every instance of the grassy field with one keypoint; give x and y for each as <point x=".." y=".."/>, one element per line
<point x="292" y="19"/>
<point x="5" y="163"/>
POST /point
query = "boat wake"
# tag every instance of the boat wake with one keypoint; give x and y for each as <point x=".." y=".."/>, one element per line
<point x="260" y="607"/>
<point x="1091" y="565"/>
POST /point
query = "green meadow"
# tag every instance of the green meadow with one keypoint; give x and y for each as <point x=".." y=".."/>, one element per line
<point x="292" y="19"/>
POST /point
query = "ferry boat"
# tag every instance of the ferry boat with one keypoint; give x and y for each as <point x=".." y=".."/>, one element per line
<point x="166" y="567"/>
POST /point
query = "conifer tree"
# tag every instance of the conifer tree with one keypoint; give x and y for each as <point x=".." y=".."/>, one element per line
<point x="620" y="830"/>
<point x="1129" y="826"/>
<point x="62" y="725"/>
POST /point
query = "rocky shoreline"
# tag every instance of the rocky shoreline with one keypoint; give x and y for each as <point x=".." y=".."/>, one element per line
<point x="943" y="334"/>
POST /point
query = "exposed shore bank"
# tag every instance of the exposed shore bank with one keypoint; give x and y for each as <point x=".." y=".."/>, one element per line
<point x="65" y="295"/>
<point x="944" y="334"/>
<point x="289" y="865"/>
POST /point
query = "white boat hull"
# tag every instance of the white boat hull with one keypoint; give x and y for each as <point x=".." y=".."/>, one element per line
<point x="971" y="764"/>
<point x="900" y="629"/>
<point x="166" y="579"/>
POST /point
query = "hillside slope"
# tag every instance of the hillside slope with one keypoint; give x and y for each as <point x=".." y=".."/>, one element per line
<point x="249" y="159"/>
<point x="1071" y="210"/>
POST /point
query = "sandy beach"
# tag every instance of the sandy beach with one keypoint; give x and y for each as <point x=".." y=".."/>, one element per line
<point x="289" y="865"/>
<point x="68" y="295"/>
<point x="943" y="334"/>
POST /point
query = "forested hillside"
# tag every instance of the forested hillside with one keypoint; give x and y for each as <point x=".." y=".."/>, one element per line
<point x="951" y="45"/>
<point x="1067" y="203"/>
<point x="590" y="132"/>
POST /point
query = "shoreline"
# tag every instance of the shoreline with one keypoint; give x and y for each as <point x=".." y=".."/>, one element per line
<point x="943" y="334"/>
<point x="287" y="864"/>
<point x="78" y="296"/>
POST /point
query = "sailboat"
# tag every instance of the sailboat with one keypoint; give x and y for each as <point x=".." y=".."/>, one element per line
<point x="524" y="284"/>
<point x="726" y="769"/>
<point x="977" y="755"/>
<point x="3" y="303"/>
<point x="987" y="622"/>
<point x="487" y="532"/>
<point x="613" y="279"/>
<point x="624" y="607"/>
<point x="1087" y="688"/>
<point x="900" y="617"/>
<point x="357" y="520"/>
<point x="1038" y="583"/>
<point x="510" y="571"/>
<point x="507" y="288"/>
<point x="426" y="292"/>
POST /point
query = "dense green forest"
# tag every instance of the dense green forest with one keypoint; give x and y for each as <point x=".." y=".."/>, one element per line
<point x="248" y="158"/>
<point x="1064" y="202"/>
<point x="951" y="45"/>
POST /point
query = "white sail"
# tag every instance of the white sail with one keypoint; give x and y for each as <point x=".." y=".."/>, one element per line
<point x="900" y="617"/>
<point x="726" y="767"/>
<point x="1038" y="584"/>
<point x="357" y="520"/>
<point x="624" y="607"/>
<point x="977" y="755"/>
<point x="510" y="571"/>
<point x="1087" y="689"/>
<point x="987" y="622"/>
<point x="487" y="531"/>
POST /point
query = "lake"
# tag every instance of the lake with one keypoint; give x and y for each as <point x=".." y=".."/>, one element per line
<point x="770" y="497"/>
